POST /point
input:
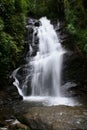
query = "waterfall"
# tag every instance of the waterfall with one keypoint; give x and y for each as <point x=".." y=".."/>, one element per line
<point x="47" y="64"/>
<point x="40" y="78"/>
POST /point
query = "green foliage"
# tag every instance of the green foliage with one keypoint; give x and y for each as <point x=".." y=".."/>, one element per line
<point x="12" y="26"/>
<point x="37" y="7"/>
<point x="1" y="25"/>
<point x="50" y="8"/>
<point x="71" y="28"/>
<point x="82" y="40"/>
<point x="76" y="19"/>
<point x="8" y="51"/>
<point x="21" y="6"/>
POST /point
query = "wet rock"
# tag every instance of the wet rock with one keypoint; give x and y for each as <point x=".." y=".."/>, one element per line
<point x="34" y="123"/>
<point x="1" y="102"/>
<point x="17" y="125"/>
<point x="69" y="89"/>
<point x="13" y="125"/>
<point x="2" y="123"/>
<point x="30" y="21"/>
<point x="37" y="23"/>
<point x="55" y="118"/>
<point x="34" y="22"/>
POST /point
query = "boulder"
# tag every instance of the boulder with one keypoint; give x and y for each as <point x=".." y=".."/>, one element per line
<point x="55" y="118"/>
<point x="16" y="125"/>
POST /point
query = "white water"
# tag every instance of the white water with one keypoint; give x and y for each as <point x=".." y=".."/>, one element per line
<point x="47" y="64"/>
<point x="46" y="69"/>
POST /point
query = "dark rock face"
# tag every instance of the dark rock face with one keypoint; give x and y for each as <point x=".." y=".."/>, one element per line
<point x="75" y="70"/>
<point x="8" y="99"/>
<point x="74" y="64"/>
<point x="9" y="95"/>
<point x="38" y="23"/>
<point x="31" y="38"/>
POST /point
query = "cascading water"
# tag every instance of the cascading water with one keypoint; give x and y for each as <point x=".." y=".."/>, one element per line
<point x="47" y="64"/>
<point x="46" y="68"/>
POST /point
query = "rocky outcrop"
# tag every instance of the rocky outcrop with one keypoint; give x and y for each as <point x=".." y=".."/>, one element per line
<point x="74" y="63"/>
<point x="31" y="39"/>
<point x="55" y="118"/>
